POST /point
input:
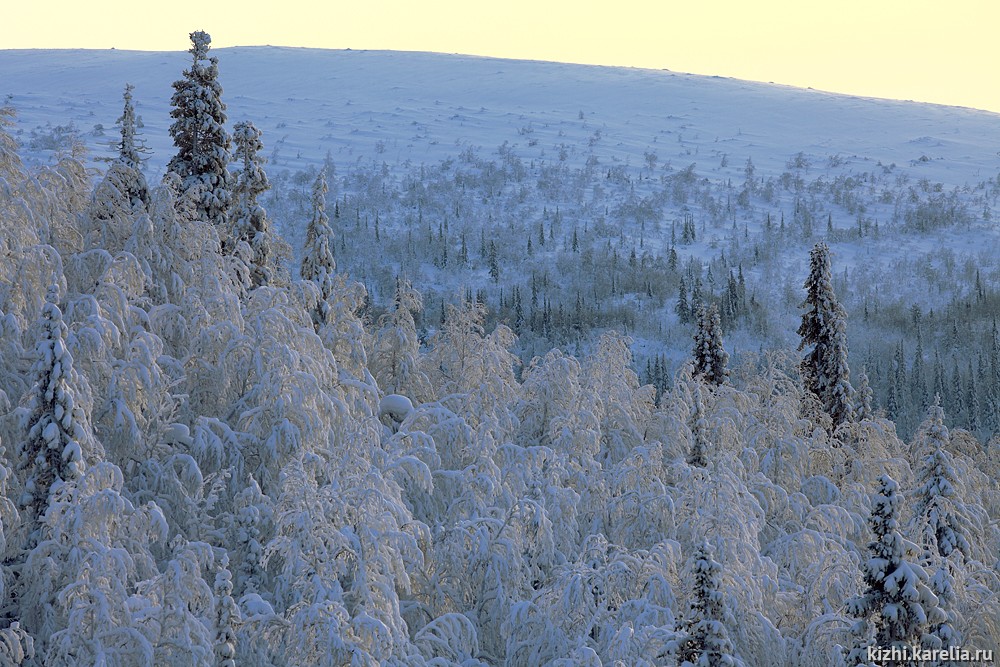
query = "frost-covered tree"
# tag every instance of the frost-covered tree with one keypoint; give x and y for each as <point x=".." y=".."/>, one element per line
<point x="897" y="608"/>
<point x="130" y="149"/>
<point x="339" y="552"/>
<point x="940" y="514"/>
<point x="227" y="617"/>
<point x="123" y="193"/>
<point x="395" y="357"/>
<point x="16" y="645"/>
<point x="698" y="454"/>
<point x="199" y="133"/>
<point x="863" y="408"/>
<point x="824" y="327"/>
<point x="318" y="264"/>
<point x="710" y="357"/>
<point x="173" y="609"/>
<point x="10" y="161"/>
<point x="478" y="368"/>
<point x="707" y="642"/>
<point x="96" y="548"/>
<point x="250" y="223"/>
<point x="53" y="451"/>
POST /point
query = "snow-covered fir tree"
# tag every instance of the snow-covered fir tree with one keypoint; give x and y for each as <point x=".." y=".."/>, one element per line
<point x="250" y="224"/>
<point x="707" y="643"/>
<point x="318" y="264"/>
<point x="57" y="433"/>
<point x="698" y="454"/>
<point x="123" y="196"/>
<point x="131" y="148"/>
<point x="898" y="608"/>
<point x="824" y="327"/>
<point x="864" y="399"/>
<point x="940" y="514"/>
<point x="710" y="357"/>
<point x="199" y="133"/>
<point x="227" y="617"/>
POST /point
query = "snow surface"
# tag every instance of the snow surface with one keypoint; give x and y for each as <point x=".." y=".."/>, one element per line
<point x="420" y="106"/>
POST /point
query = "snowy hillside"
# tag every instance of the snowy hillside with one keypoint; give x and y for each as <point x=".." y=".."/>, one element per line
<point x="411" y="109"/>
<point x="421" y="106"/>
<point x="589" y="157"/>
<point x="491" y="364"/>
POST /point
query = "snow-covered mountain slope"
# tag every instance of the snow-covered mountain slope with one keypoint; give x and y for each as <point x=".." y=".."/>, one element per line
<point x="420" y="106"/>
<point x="449" y="169"/>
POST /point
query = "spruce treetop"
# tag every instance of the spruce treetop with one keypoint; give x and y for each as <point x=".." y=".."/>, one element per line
<point x="201" y="42"/>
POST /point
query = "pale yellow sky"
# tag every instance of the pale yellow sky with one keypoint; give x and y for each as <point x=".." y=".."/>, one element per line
<point x="927" y="50"/>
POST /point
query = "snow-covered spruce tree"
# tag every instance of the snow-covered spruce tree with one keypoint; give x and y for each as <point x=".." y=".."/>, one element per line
<point x="824" y="326"/>
<point x="227" y="617"/>
<point x="123" y="192"/>
<point x="707" y="643"/>
<point x="130" y="150"/>
<point x="898" y="608"/>
<point x="52" y="453"/>
<point x="250" y="223"/>
<point x="199" y="133"/>
<point x="940" y="515"/>
<point x="945" y="634"/>
<point x="253" y="516"/>
<point x="865" y="397"/>
<point x="710" y="357"/>
<point x="318" y="264"/>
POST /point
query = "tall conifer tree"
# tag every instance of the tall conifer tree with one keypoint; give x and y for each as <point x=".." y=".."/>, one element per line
<point x="318" y="264"/>
<point x="710" y="357"/>
<point x="130" y="150"/>
<point x="250" y="221"/>
<point x="824" y="327"/>
<point x="898" y="608"/>
<point x="53" y="450"/>
<point x="199" y="133"/>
